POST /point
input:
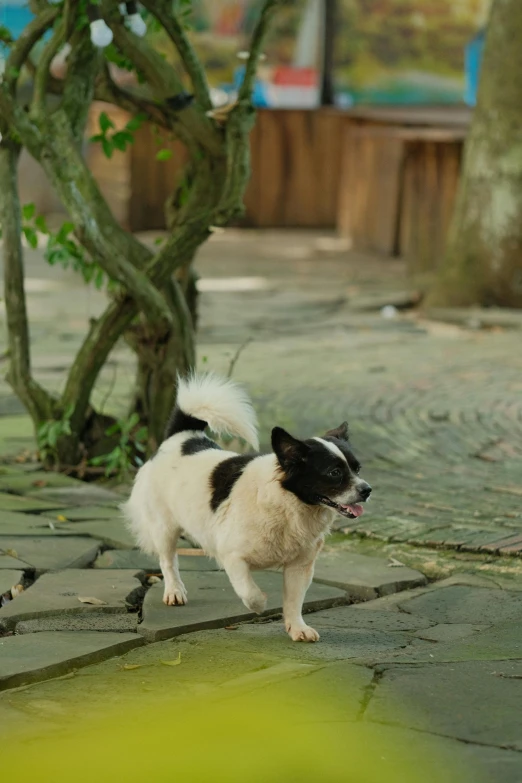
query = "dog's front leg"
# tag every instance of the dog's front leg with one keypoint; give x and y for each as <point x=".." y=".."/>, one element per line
<point x="238" y="571"/>
<point x="296" y="581"/>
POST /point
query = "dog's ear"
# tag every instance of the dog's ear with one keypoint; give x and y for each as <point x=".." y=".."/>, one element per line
<point x="288" y="450"/>
<point x="340" y="432"/>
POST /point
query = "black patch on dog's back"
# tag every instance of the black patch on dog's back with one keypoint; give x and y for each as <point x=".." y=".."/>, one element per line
<point x="183" y="422"/>
<point x="196" y="444"/>
<point x="225" y="475"/>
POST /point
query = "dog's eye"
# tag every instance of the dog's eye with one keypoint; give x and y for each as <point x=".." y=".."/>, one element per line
<point x="335" y="473"/>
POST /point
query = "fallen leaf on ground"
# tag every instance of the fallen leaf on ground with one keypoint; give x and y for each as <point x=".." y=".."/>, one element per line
<point x="89" y="600"/>
<point x="40" y="483"/>
<point x="11" y="552"/>
<point x="129" y="666"/>
<point x="231" y="627"/>
<point x="395" y="563"/>
<point x="172" y="663"/>
<point x="61" y="518"/>
<point x="16" y="590"/>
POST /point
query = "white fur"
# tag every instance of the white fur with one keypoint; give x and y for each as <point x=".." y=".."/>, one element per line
<point x="332" y="447"/>
<point x="224" y="405"/>
<point x="260" y="525"/>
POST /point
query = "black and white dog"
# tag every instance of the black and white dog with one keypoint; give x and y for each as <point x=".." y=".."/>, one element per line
<point x="248" y="511"/>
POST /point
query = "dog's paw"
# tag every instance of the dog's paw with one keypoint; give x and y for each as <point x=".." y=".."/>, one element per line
<point x="256" y="602"/>
<point x="175" y="596"/>
<point x="302" y="633"/>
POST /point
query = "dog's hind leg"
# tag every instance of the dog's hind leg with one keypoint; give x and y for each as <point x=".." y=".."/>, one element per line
<point x="174" y="592"/>
<point x="238" y="571"/>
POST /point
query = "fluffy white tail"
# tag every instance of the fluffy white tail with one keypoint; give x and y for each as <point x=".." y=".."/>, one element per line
<point x="218" y="402"/>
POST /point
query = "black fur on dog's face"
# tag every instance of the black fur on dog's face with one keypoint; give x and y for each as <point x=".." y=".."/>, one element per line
<point x="322" y="471"/>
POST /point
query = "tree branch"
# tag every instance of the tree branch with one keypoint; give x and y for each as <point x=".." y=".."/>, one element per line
<point x="78" y="88"/>
<point x="41" y="79"/>
<point x="21" y="49"/>
<point x="163" y="12"/>
<point x="258" y="37"/>
<point x="37" y="401"/>
<point x="190" y="124"/>
<point x="15" y="118"/>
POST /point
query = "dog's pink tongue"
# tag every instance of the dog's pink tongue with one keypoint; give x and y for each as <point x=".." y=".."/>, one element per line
<point x="356" y="510"/>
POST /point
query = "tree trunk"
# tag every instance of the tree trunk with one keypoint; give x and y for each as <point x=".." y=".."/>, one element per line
<point x="483" y="260"/>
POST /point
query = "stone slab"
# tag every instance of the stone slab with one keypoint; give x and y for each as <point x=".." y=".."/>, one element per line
<point x="331" y="693"/>
<point x="112" y="532"/>
<point x="212" y="603"/>
<point x="358" y="617"/>
<point x="90" y="621"/>
<point x="18" y="503"/>
<point x="356" y="645"/>
<point x="85" y="513"/>
<point x="58" y="593"/>
<point x="24" y="483"/>
<point x="84" y="495"/>
<point x="133" y="558"/>
<point x="449" y="632"/>
<point x="51" y="552"/>
<point x="448" y="760"/>
<point x="9" y="579"/>
<point x="13" y="523"/>
<point x="473" y="701"/>
<point x="498" y="643"/>
<point x="10" y="563"/>
<point x="463" y="604"/>
<point x="363" y="577"/>
<point x="57" y="653"/>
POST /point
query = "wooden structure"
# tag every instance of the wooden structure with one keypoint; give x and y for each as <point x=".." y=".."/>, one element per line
<point x="399" y="176"/>
<point x="295" y="172"/>
<point x="386" y="178"/>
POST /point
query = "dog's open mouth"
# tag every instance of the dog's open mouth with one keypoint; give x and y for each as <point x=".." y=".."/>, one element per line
<point x="351" y="510"/>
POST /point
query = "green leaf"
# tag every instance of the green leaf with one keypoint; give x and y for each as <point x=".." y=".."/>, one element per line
<point x="28" y="211"/>
<point x="41" y="224"/>
<point x="63" y="232"/>
<point x="98" y="279"/>
<point x="107" y="148"/>
<point x="159" y="240"/>
<point x="142" y="434"/>
<point x="136" y="122"/>
<point x="5" y="35"/>
<point x="88" y="272"/>
<point x="53" y="435"/>
<point x="98" y="137"/>
<point x="30" y="235"/>
<point x="113" y="429"/>
<point x="105" y="122"/>
<point x="164" y="154"/>
<point x="121" y="139"/>
<point x="134" y="419"/>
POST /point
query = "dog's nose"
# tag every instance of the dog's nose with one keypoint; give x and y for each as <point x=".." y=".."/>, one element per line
<point x="365" y="491"/>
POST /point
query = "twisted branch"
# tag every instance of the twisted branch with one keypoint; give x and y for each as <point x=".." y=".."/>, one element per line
<point x="163" y="12"/>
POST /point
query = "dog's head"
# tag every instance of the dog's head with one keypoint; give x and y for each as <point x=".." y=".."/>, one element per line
<point x="322" y="471"/>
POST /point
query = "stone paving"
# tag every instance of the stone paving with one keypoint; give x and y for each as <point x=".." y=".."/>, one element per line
<point x="436" y="415"/>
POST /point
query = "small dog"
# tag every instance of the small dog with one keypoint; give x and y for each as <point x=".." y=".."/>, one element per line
<point x="248" y="511"/>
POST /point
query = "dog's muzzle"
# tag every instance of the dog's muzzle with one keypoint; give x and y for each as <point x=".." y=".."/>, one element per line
<point x="351" y="510"/>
